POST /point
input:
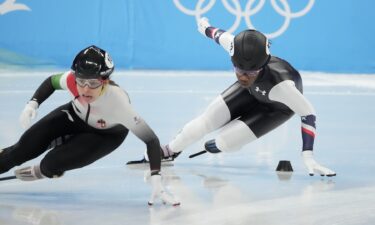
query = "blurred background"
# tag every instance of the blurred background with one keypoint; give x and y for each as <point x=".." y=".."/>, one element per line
<point x="314" y="35"/>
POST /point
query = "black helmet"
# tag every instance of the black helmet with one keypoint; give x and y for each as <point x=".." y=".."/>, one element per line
<point x="250" y="50"/>
<point x="92" y="63"/>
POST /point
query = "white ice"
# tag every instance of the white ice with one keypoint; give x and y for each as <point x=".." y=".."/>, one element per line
<point x="241" y="188"/>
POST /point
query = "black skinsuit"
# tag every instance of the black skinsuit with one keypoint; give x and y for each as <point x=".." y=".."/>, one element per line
<point x="253" y="106"/>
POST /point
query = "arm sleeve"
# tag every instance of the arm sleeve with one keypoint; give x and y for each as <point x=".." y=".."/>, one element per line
<point x="46" y="89"/>
<point x="285" y="92"/>
<point x="139" y="127"/>
<point x="147" y="135"/>
<point x="223" y="38"/>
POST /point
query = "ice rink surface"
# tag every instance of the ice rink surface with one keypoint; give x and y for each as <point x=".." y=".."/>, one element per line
<point x="241" y="188"/>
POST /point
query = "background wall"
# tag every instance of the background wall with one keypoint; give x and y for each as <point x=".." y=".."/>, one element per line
<point x="320" y="35"/>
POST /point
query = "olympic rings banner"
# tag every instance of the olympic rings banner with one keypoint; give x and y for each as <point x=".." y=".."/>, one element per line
<point x="251" y="9"/>
<point x="315" y="35"/>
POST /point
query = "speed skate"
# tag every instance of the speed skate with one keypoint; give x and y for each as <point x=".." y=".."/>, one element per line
<point x="144" y="161"/>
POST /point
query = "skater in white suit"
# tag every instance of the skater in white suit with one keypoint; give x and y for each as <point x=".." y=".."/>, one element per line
<point x="78" y="133"/>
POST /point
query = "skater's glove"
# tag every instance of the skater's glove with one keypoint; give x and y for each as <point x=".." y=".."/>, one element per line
<point x="312" y="166"/>
<point x="203" y="24"/>
<point x="158" y="191"/>
<point x="28" y="113"/>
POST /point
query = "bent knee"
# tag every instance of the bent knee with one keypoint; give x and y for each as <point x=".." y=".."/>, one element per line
<point x="234" y="136"/>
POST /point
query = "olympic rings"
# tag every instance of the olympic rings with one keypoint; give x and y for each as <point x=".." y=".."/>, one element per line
<point x="250" y="10"/>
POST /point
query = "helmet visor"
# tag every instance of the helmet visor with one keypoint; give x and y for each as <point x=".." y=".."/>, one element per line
<point x="91" y="83"/>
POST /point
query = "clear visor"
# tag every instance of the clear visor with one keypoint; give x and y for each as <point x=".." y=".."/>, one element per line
<point x="91" y="83"/>
<point x="247" y="72"/>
